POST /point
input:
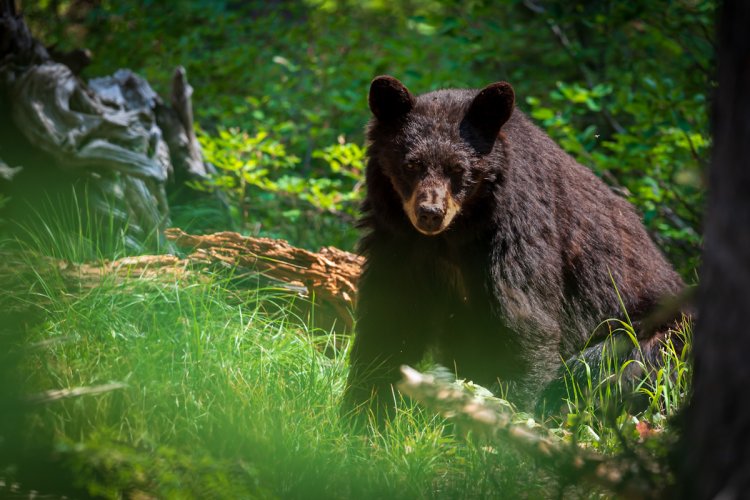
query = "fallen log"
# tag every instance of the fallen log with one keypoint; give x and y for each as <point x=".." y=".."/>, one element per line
<point x="326" y="280"/>
<point x="329" y="276"/>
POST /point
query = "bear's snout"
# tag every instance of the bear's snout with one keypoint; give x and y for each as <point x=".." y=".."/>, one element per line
<point x="431" y="207"/>
<point x="430" y="217"/>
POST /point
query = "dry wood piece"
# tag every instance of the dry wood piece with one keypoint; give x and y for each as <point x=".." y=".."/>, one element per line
<point x="329" y="276"/>
<point x="628" y="476"/>
<point x="176" y="122"/>
<point x="143" y="266"/>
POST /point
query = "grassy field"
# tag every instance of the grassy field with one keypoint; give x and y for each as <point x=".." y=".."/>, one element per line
<point x="210" y="390"/>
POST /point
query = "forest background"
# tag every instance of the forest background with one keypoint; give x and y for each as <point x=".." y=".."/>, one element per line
<point x="280" y="92"/>
<point x="226" y="393"/>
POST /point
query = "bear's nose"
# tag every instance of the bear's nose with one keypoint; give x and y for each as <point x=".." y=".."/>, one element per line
<point x="430" y="217"/>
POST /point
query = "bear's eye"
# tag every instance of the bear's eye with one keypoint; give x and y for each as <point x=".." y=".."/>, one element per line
<point x="411" y="166"/>
<point x="455" y="168"/>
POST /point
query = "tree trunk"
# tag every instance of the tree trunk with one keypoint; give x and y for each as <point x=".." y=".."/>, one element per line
<point x="717" y="434"/>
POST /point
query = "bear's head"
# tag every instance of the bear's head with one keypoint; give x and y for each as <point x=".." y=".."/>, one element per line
<point x="434" y="148"/>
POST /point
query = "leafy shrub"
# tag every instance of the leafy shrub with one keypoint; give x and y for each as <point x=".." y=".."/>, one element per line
<point x="268" y="196"/>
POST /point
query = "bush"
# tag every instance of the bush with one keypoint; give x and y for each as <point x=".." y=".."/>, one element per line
<point x="268" y="196"/>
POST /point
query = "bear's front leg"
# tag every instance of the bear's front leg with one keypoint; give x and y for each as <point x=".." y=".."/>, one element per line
<point x="392" y="329"/>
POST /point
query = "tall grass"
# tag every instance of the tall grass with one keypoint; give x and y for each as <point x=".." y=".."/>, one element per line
<point x="228" y="394"/>
<point x="625" y="388"/>
<point x="66" y="226"/>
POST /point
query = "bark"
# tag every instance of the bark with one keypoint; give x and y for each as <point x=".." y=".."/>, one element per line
<point x="716" y="441"/>
<point x="330" y="275"/>
<point x="177" y="123"/>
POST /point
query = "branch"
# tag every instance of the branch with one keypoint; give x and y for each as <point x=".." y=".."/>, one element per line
<point x="495" y="423"/>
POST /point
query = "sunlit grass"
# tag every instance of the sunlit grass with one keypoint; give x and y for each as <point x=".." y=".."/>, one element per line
<point x="228" y="379"/>
<point x="624" y="388"/>
<point x="229" y="394"/>
<point x="70" y="228"/>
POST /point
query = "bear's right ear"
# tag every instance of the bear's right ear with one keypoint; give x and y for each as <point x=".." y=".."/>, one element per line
<point x="490" y="109"/>
<point x="389" y="99"/>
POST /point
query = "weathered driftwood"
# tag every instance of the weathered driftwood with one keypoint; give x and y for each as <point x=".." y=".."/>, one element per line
<point x="626" y="475"/>
<point x="59" y="115"/>
<point x="177" y="123"/>
<point x="115" y="134"/>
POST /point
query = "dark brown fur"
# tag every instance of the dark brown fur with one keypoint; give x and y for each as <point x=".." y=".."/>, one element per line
<point x="520" y="277"/>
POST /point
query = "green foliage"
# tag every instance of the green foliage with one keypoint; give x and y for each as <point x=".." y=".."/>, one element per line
<point x="621" y="85"/>
<point x="268" y="196"/>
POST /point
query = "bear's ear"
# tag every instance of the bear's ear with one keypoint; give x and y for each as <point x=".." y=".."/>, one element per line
<point x="389" y="99"/>
<point x="490" y="109"/>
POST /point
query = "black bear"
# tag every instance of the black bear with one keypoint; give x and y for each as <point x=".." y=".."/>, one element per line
<point x="488" y="244"/>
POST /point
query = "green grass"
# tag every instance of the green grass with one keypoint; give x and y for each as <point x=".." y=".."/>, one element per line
<point x="595" y="412"/>
<point x="229" y="394"/>
<point x="66" y="225"/>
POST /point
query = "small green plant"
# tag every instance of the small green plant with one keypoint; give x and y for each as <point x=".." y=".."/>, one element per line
<point x="271" y="193"/>
<point x="243" y="162"/>
<point x="624" y="389"/>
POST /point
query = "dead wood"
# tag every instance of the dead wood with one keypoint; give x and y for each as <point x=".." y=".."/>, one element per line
<point x="326" y="279"/>
<point x="329" y="276"/>
<point x="113" y="140"/>
<point x="627" y="476"/>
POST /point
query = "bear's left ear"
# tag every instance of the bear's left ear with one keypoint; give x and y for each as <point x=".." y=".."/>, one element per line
<point x="490" y="109"/>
